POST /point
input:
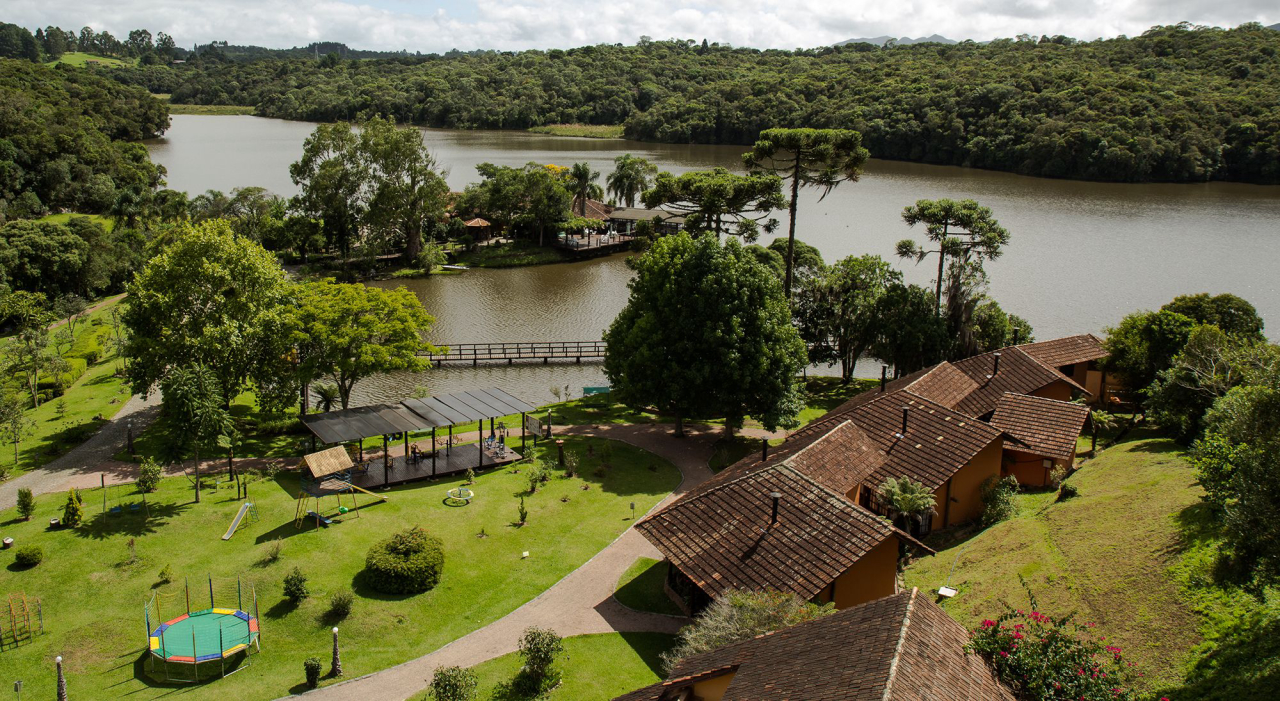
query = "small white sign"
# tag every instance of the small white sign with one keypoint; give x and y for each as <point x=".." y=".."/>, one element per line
<point x="946" y="592"/>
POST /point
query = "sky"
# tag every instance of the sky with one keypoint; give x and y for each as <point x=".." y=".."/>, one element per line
<point x="438" y="26"/>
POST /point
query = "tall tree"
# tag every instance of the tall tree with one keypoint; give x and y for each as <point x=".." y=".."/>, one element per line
<point x="407" y="188"/>
<point x="821" y="158"/>
<point x="631" y="176"/>
<point x="717" y="200"/>
<point x="706" y="332"/>
<point x="855" y="286"/>
<point x="194" y="408"/>
<point x="960" y="229"/>
<point x="909" y="335"/>
<point x="581" y="178"/>
<point x="354" y="331"/>
<point x="331" y="176"/>
<point x="206" y="299"/>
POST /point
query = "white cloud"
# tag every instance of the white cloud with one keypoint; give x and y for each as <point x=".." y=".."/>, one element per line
<point x="523" y="24"/>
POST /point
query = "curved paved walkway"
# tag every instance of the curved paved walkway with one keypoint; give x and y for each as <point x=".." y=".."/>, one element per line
<point x="579" y="604"/>
<point x="82" y="464"/>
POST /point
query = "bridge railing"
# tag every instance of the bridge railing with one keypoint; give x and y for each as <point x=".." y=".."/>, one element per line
<point x="519" y="350"/>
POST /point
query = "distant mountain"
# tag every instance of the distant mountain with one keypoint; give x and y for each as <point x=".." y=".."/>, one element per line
<point x="1275" y="27"/>
<point x="901" y="41"/>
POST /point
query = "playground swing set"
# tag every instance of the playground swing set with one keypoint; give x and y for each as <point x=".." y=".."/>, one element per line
<point x="327" y="473"/>
<point x="194" y="638"/>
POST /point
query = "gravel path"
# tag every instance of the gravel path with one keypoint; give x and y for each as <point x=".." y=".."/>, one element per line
<point x="579" y="604"/>
<point x="81" y="466"/>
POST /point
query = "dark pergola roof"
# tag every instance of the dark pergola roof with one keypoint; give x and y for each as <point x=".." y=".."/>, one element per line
<point x="413" y="415"/>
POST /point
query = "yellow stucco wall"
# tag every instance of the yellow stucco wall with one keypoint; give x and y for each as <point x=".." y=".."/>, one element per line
<point x="966" y="487"/>
<point x="712" y="689"/>
<point x="1057" y="390"/>
<point x="874" y="576"/>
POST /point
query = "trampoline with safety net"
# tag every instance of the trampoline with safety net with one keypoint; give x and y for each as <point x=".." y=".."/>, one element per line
<point x="202" y="637"/>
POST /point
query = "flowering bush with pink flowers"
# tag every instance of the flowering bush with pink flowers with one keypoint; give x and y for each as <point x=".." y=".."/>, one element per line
<point x="1043" y="658"/>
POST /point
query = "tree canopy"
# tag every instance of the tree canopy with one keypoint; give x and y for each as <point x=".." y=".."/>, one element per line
<point x="706" y="333"/>
<point x="719" y="201"/>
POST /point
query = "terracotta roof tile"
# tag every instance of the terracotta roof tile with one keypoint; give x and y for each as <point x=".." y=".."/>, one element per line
<point x="1018" y="373"/>
<point x="722" y="538"/>
<point x="899" y="648"/>
<point x="1066" y="351"/>
<point x="1040" y="426"/>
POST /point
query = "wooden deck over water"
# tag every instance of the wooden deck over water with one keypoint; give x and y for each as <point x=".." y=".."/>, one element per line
<point x="594" y="244"/>
<point x="454" y="461"/>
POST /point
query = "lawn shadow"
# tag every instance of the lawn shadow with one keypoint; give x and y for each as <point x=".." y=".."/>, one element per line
<point x="204" y="673"/>
<point x="282" y="608"/>
<point x="651" y="654"/>
<point x="1243" y="666"/>
<point x="142" y="522"/>
<point x="363" y="587"/>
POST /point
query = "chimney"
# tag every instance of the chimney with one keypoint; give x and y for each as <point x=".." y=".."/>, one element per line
<point x="1016" y="333"/>
<point x="776" y="496"/>
<point x="884" y="376"/>
<point x="905" y="411"/>
<point x="995" y="368"/>
<point x="764" y="449"/>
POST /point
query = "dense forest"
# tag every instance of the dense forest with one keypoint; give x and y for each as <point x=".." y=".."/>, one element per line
<point x="69" y="140"/>
<point x="1178" y="103"/>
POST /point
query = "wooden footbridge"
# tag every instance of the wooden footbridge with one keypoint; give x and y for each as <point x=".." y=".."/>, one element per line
<point x="520" y="351"/>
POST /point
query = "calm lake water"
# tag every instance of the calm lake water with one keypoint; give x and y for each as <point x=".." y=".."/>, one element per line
<point x="1081" y="257"/>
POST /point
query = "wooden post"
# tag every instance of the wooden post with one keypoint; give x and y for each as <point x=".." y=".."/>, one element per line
<point x="448" y="447"/>
<point x="522" y="447"/>
<point x="433" y="451"/>
<point x="480" y="443"/>
<point x="386" y="453"/>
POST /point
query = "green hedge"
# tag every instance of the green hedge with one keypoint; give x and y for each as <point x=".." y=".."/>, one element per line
<point x="76" y="368"/>
<point x="88" y="344"/>
<point x="408" y="562"/>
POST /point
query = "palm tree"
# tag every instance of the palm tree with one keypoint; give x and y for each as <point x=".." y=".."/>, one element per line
<point x="631" y="176"/>
<point x="581" y="178"/>
<point x="1100" y="420"/>
<point x="907" y="498"/>
<point x="326" y="396"/>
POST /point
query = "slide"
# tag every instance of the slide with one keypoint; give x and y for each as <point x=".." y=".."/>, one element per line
<point x="361" y="489"/>
<point x="236" y="523"/>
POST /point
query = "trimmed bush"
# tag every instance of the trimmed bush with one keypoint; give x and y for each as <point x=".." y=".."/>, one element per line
<point x="26" y="503"/>
<point x="312" y="669"/>
<point x="997" y="499"/>
<point x="408" y="562"/>
<point x="73" y="512"/>
<point x="149" y="475"/>
<point x="453" y="684"/>
<point x="340" y="604"/>
<point x="295" y="586"/>
<point x="28" y="556"/>
<point x="539" y="647"/>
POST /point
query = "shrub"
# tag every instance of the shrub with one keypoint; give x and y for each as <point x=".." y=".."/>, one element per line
<point x="740" y="615"/>
<point x="471" y="476"/>
<point x="273" y="552"/>
<point x="408" y="562"/>
<point x="1051" y="659"/>
<point x="26" y="503"/>
<point x="453" y="684"/>
<point x="539" y="647"/>
<point x="340" y="603"/>
<point x="149" y="475"/>
<point x="28" y="556"/>
<point x="536" y="476"/>
<point x="1057" y="474"/>
<point x="295" y="586"/>
<point x="166" y="574"/>
<point x="522" y="512"/>
<point x="1067" y="491"/>
<point x="73" y="512"/>
<point x="312" y="669"/>
<point x="997" y="499"/>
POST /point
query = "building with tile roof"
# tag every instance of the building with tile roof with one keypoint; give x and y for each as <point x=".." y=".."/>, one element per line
<point x="897" y="648"/>
<point x="1040" y="435"/>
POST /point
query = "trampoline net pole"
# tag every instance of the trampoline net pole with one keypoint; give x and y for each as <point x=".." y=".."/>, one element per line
<point x="211" y="604"/>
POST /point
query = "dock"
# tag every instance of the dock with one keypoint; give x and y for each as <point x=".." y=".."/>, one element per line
<point x="519" y="351"/>
<point x="594" y="244"/>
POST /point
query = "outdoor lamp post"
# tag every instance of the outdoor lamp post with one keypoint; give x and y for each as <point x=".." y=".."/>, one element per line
<point x="337" y="661"/>
<point x="62" y="681"/>
<point x="129" y="432"/>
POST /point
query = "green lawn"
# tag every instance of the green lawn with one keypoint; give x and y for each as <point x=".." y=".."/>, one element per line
<point x="107" y="223"/>
<point x="62" y="423"/>
<point x="592" y="667"/>
<point x="93" y="597"/>
<point x="80" y="59"/>
<point x="1120" y="555"/>
<point x="640" y="588"/>
<point x="594" y="131"/>
<point x="221" y="110"/>
<point x="511" y="255"/>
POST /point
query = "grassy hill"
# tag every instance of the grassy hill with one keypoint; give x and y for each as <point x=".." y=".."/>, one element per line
<point x="1134" y="554"/>
<point x="77" y="58"/>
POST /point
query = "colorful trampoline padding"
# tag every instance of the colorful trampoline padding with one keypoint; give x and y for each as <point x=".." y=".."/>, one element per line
<point x="202" y="636"/>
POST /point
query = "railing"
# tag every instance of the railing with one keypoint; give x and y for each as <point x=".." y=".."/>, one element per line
<point x="523" y="351"/>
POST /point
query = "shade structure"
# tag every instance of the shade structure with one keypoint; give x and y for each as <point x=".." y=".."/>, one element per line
<point x="327" y="462"/>
<point x="414" y="415"/>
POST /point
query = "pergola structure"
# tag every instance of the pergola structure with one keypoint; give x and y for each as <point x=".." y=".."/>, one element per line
<point x="416" y="415"/>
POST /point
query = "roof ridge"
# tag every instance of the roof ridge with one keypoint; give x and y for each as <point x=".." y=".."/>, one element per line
<point x="902" y="642"/>
<point x="787" y="459"/>
<point x="1050" y="368"/>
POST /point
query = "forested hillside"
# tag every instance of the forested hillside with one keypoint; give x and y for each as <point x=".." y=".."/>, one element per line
<point x="68" y="139"/>
<point x="1175" y="104"/>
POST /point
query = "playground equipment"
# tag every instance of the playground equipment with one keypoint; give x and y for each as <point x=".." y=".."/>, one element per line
<point x="213" y="634"/>
<point x="327" y="473"/>
<point x="459" y="496"/>
<point x="19" y="629"/>
<point x="245" y="508"/>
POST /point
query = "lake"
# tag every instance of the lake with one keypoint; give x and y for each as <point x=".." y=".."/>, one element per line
<point x="1082" y="255"/>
